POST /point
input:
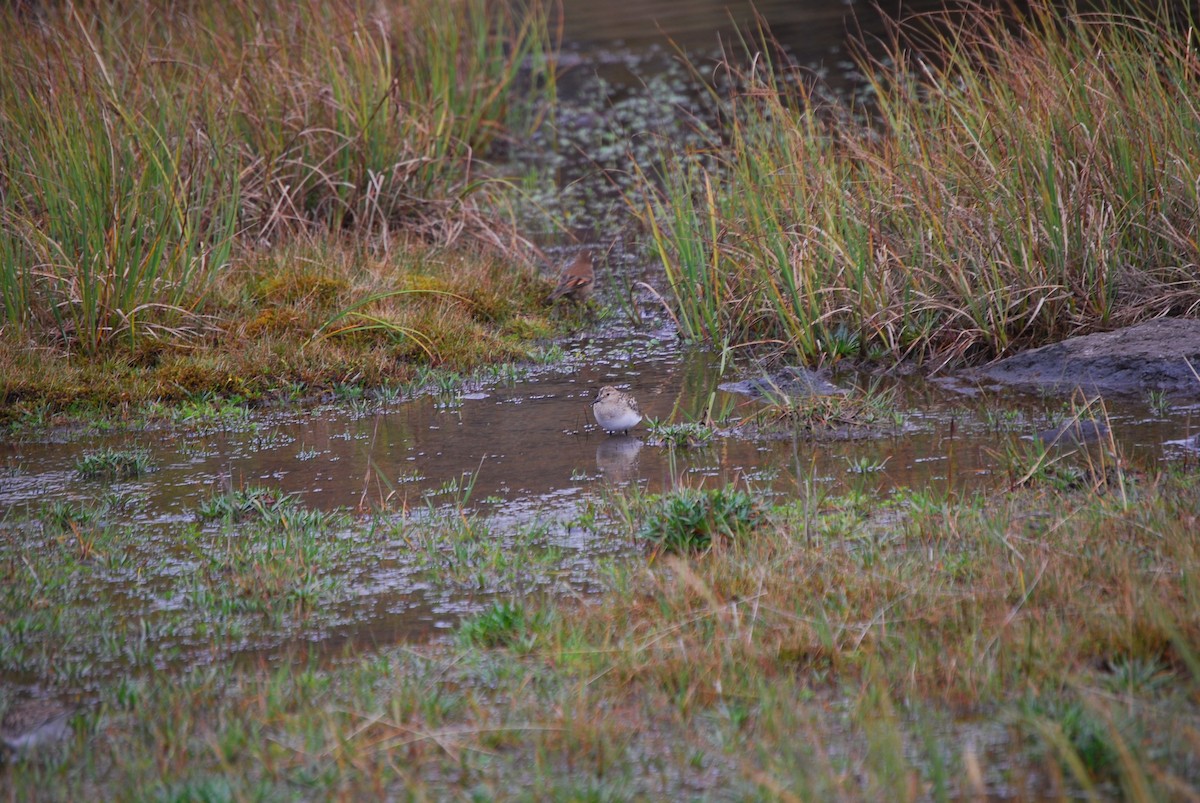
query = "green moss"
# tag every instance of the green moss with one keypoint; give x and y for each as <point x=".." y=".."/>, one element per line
<point x="303" y="287"/>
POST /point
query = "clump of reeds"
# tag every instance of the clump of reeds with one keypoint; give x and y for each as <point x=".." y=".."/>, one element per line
<point x="141" y="149"/>
<point x="1021" y="184"/>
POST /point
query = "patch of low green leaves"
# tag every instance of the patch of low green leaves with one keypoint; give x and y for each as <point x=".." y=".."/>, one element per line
<point x="692" y="519"/>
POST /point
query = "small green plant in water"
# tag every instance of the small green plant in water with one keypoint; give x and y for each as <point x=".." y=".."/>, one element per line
<point x="1160" y="405"/>
<point x="1002" y="420"/>
<point x="548" y="355"/>
<point x="865" y="465"/>
<point x="64" y="514"/>
<point x="265" y="504"/>
<point x="504" y="624"/>
<point x="1030" y="463"/>
<point x="118" y="463"/>
<point x="690" y="434"/>
<point x="691" y="519"/>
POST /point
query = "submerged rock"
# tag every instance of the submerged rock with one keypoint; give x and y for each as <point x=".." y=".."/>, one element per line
<point x="790" y="381"/>
<point x="1074" y="433"/>
<point x="1154" y="355"/>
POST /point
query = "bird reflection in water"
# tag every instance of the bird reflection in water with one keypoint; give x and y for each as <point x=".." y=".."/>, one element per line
<point x="617" y="457"/>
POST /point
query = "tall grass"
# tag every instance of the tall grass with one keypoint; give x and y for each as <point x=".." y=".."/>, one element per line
<point x="115" y="218"/>
<point x="139" y="149"/>
<point x="1026" y="183"/>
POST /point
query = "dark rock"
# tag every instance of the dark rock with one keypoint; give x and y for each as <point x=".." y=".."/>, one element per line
<point x="790" y="381"/>
<point x="1154" y="355"/>
<point x="1074" y="433"/>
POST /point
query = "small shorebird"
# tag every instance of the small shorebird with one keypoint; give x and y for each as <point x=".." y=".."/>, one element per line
<point x="577" y="279"/>
<point x="615" y="411"/>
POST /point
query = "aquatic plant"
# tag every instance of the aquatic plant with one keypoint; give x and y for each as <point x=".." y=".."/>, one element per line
<point x="1159" y="402"/>
<point x="688" y="434"/>
<point x="117" y="463"/>
<point x="266" y="505"/>
<point x="502" y="624"/>
<point x="826" y="413"/>
<point x="864" y="464"/>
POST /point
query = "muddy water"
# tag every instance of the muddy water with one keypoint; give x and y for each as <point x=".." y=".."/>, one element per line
<point x="810" y="29"/>
<point x="534" y="445"/>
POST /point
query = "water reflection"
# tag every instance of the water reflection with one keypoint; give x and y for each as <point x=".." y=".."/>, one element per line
<point x="812" y="31"/>
<point x="617" y="458"/>
<point x="807" y="26"/>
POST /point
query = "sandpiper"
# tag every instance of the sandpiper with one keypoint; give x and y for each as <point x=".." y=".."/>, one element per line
<point x="615" y="411"/>
<point x="577" y="280"/>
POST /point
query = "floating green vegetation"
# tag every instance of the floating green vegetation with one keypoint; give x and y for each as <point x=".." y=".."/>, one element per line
<point x="116" y="463"/>
<point x="693" y="519"/>
<point x="235" y="505"/>
<point x="994" y="196"/>
<point x="266" y="505"/>
<point x="686" y="434"/>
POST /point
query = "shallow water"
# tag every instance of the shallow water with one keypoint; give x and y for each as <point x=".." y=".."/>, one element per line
<point x="810" y="29"/>
<point x="525" y="456"/>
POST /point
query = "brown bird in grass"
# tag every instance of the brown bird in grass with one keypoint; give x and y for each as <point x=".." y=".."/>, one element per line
<point x="577" y="280"/>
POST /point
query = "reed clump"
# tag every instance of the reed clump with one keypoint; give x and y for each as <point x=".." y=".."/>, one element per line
<point x="1022" y="184"/>
<point x="147" y="156"/>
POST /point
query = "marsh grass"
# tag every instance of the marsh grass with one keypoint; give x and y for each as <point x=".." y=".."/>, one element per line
<point x="503" y="624"/>
<point x="302" y="321"/>
<point x="1008" y="190"/>
<point x="1036" y="643"/>
<point x="682" y="434"/>
<point x="861" y="411"/>
<point x="155" y="167"/>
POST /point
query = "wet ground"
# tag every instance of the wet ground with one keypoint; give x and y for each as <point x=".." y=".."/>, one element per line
<point x="521" y="459"/>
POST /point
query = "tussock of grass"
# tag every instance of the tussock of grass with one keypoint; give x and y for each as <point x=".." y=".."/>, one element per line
<point x="694" y="519"/>
<point x="1013" y="190"/>
<point x="504" y="624"/>
<point x="117" y="463"/>
<point x="153" y="163"/>
<point x="313" y="316"/>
